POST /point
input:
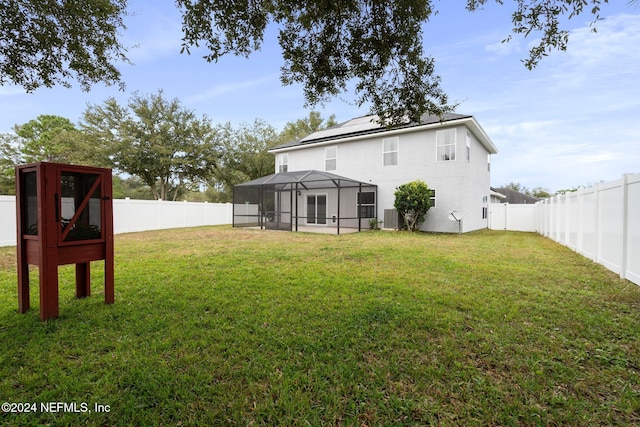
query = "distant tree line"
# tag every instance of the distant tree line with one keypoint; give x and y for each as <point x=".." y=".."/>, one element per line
<point x="539" y="192"/>
<point x="158" y="148"/>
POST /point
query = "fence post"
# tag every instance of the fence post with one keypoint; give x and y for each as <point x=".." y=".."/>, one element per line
<point x="552" y="217"/>
<point x="556" y="218"/>
<point x="562" y="221"/>
<point x="625" y="225"/>
<point x="506" y="216"/>
<point x="567" y="219"/>
<point x="580" y="229"/>
<point x="596" y="194"/>
<point x="545" y="217"/>
<point x="545" y="221"/>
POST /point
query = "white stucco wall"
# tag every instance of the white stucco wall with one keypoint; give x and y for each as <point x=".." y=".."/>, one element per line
<point x="459" y="184"/>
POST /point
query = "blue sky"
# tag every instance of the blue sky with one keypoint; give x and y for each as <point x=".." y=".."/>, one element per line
<point x="574" y="120"/>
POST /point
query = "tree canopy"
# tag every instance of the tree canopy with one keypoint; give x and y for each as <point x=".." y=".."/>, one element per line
<point x="50" y="42"/>
<point x="46" y="138"/>
<point x="158" y="148"/>
<point x="303" y="127"/>
<point x="158" y="140"/>
<point x="540" y="192"/>
<point x="9" y="157"/>
<point x="326" y="45"/>
<point x="244" y="150"/>
<point x="244" y="154"/>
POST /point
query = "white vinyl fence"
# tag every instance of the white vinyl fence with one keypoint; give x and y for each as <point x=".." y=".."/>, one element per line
<point x="504" y="216"/>
<point x="135" y="215"/>
<point x="601" y="222"/>
<point x="8" y="221"/>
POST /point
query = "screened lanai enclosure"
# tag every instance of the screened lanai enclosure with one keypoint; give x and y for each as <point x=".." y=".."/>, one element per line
<point x="305" y="199"/>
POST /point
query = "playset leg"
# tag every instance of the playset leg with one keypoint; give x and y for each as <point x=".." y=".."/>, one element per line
<point x="48" y="288"/>
<point x="83" y="280"/>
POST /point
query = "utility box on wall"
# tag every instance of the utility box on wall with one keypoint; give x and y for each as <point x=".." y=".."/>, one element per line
<point x="64" y="216"/>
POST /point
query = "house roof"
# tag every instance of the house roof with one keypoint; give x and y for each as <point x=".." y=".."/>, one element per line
<point x="516" y="197"/>
<point x="305" y="179"/>
<point x="365" y="126"/>
<point x="493" y="192"/>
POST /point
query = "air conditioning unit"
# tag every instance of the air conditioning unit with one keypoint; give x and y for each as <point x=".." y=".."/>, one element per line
<point x="392" y="219"/>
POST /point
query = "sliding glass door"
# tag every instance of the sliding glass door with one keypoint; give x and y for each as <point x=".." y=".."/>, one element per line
<point x="316" y="208"/>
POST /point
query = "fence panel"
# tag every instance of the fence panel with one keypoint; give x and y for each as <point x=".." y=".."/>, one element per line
<point x="504" y="216"/>
<point x="601" y="223"/>
<point x="135" y="215"/>
<point x="8" y="221"/>
<point x="633" y="229"/>
<point x="610" y="226"/>
<point x="572" y="219"/>
<point x="588" y="223"/>
<point x="498" y="216"/>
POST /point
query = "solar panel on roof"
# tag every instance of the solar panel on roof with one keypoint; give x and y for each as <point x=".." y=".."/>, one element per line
<point x="352" y="126"/>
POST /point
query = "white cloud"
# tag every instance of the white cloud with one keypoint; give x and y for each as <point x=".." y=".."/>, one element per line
<point x="598" y="156"/>
<point x="504" y="48"/>
<point x="11" y="91"/>
<point x="227" y="88"/>
<point x="152" y="33"/>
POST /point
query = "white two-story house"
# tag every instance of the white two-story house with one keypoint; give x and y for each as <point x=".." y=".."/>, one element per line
<point x="364" y="163"/>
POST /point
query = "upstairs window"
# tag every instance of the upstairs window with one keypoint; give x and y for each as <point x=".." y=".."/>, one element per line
<point x="330" y="158"/>
<point x="468" y="145"/>
<point x="446" y="142"/>
<point x="283" y="162"/>
<point x="390" y="151"/>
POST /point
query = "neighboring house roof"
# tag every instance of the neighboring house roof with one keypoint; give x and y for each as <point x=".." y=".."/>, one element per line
<point x="515" y="197"/>
<point x="365" y="126"/>
<point x="306" y="179"/>
<point x="494" y="193"/>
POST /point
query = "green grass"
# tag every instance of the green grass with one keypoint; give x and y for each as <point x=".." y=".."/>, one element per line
<point x="221" y="326"/>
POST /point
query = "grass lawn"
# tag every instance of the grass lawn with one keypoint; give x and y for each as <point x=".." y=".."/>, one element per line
<point x="222" y="326"/>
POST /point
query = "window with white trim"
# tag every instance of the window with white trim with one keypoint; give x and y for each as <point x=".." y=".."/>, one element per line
<point x="432" y="197"/>
<point x="390" y="151"/>
<point x="489" y="162"/>
<point x="283" y="162"/>
<point x="485" y="207"/>
<point x="330" y="158"/>
<point x="446" y="145"/>
<point x="468" y="145"/>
